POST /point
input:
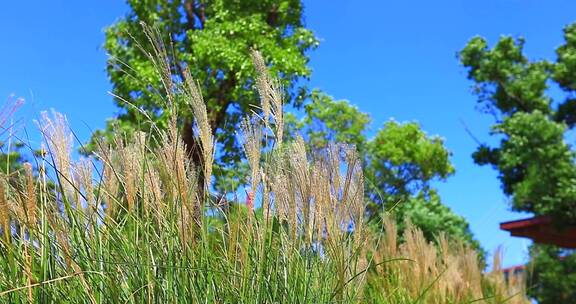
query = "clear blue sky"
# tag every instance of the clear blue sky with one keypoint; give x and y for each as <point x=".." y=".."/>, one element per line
<point x="391" y="58"/>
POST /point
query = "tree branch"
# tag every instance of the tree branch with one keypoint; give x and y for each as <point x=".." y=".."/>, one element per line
<point x="272" y="17"/>
<point x="190" y="13"/>
<point x="201" y="14"/>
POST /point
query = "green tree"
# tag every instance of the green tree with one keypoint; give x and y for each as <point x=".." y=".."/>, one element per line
<point x="554" y="274"/>
<point x="536" y="164"/>
<point x="328" y="120"/>
<point x="213" y="39"/>
<point x="400" y="162"/>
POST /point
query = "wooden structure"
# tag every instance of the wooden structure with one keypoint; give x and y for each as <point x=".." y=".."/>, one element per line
<point x="541" y="230"/>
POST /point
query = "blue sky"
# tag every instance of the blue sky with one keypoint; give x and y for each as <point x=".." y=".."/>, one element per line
<point x="393" y="59"/>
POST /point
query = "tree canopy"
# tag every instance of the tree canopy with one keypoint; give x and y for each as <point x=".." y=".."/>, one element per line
<point x="213" y="39"/>
<point x="535" y="161"/>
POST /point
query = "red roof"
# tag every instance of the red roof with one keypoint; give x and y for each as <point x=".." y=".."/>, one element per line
<point x="541" y="230"/>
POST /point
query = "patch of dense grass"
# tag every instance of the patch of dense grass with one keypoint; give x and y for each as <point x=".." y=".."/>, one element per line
<point x="140" y="227"/>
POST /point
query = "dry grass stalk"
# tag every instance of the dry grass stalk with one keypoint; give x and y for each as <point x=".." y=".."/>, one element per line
<point x="321" y="197"/>
<point x="270" y="91"/>
<point x="265" y="195"/>
<point x="179" y="182"/>
<point x="299" y="174"/>
<point x="389" y="246"/>
<point x="262" y="84"/>
<point x="278" y="186"/>
<point x="509" y="290"/>
<point x="161" y="62"/>
<point x="28" y="271"/>
<point x="59" y="141"/>
<point x="83" y="171"/>
<point x="355" y="204"/>
<point x="110" y="183"/>
<point x="252" y="143"/>
<point x="311" y="199"/>
<point x="30" y="195"/>
<point x="196" y="102"/>
<point x="4" y="211"/>
<point x="129" y="166"/>
<point x="154" y="197"/>
<point x="16" y="205"/>
<point x="424" y="268"/>
<point x="449" y="269"/>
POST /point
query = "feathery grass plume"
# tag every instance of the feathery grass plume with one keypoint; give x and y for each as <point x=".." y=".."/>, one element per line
<point x="510" y="289"/>
<point x="129" y="165"/>
<point x="160" y="59"/>
<point x="445" y="272"/>
<point x="262" y="81"/>
<point x="321" y="197"/>
<point x="251" y="134"/>
<point x="300" y="175"/>
<point x="154" y="194"/>
<point x="30" y="195"/>
<point x="265" y="194"/>
<point x="270" y="91"/>
<point x="344" y="182"/>
<point x="390" y="241"/>
<point x="59" y="142"/>
<point x="179" y="181"/>
<point x="131" y="156"/>
<point x="355" y="191"/>
<point x="175" y="170"/>
<point x="168" y="248"/>
<point x="7" y="112"/>
<point x="281" y="196"/>
<point x="468" y="266"/>
<point x="139" y="149"/>
<point x="83" y="171"/>
<point x="425" y="268"/>
<point x="334" y="160"/>
<point x="277" y="109"/>
<point x="196" y="102"/>
<point x="110" y="184"/>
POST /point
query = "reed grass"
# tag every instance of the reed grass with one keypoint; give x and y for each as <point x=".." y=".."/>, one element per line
<point x="131" y="225"/>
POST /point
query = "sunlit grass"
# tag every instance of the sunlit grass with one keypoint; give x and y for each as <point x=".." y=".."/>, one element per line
<point x="136" y="224"/>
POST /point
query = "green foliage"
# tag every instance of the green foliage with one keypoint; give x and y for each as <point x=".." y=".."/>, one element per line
<point x="533" y="158"/>
<point x="403" y="160"/>
<point x="400" y="162"/>
<point x="536" y="165"/>
<point x="433" y="217"/>
<point x="505" y="80"/>
<point x="564" y="72"/>
<point x="11" y="158"/>
<point x="213" y="39"/>
<point x="553" y="275"/>
<point x="331" y="120"/>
